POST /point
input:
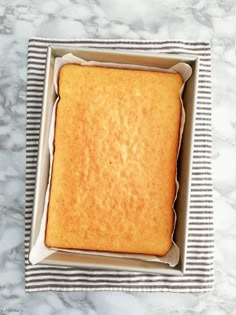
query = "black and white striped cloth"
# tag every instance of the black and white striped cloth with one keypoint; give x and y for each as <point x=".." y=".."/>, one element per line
<point x="199" y="275"/>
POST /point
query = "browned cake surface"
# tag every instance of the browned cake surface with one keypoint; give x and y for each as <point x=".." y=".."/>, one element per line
<point x="113" y="179"/>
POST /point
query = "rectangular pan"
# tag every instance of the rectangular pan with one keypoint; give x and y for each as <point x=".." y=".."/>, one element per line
<point x="184" y="161"/>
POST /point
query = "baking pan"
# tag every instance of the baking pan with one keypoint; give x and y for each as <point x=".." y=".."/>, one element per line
<point x="184" y="160"/>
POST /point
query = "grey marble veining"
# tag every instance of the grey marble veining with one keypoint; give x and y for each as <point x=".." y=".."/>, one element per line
<point x="131" y="19"/>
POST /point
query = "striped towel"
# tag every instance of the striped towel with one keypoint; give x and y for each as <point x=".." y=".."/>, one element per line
<point x="199" y="276"/>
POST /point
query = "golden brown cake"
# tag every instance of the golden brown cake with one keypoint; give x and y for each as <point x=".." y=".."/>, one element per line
<point x="116" y="143"/>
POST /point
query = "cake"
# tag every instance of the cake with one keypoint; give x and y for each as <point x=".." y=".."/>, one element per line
<point x="114" y="168"/>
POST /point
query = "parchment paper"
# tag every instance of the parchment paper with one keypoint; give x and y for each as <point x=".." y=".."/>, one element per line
<point x="39" y="250"/>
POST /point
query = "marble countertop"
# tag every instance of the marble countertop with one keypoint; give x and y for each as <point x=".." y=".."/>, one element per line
<point x="131" y="19"/>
